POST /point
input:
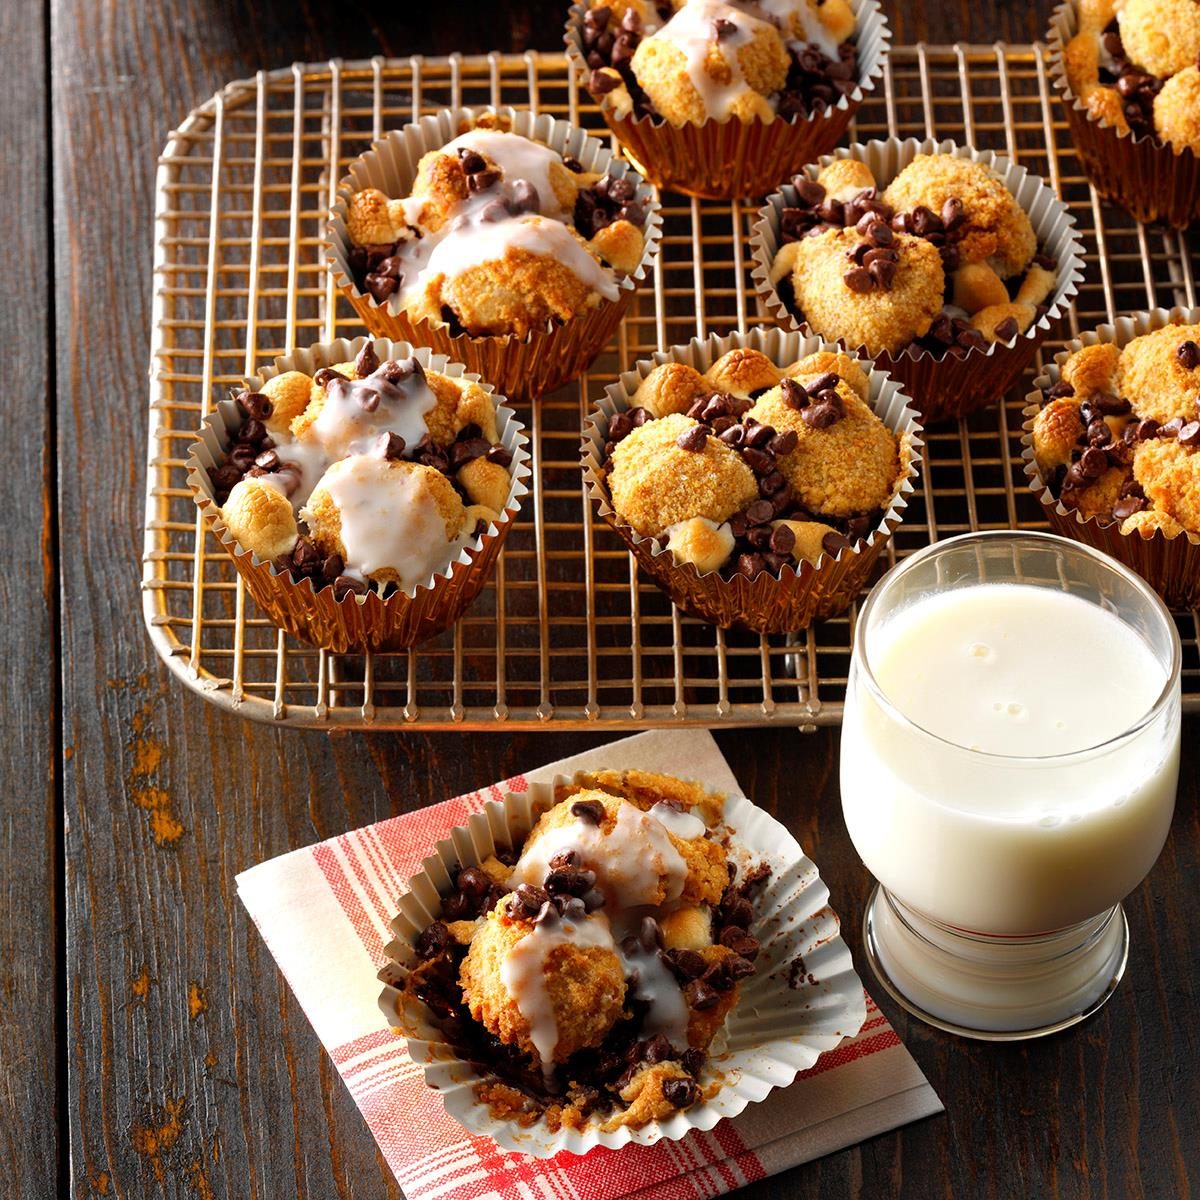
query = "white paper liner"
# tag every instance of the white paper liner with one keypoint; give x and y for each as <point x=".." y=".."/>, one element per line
<point x="1170" y="565"/>
<point x="1154" y="181"/>
<point x="774" y="1031"/>
<point x="796" y="596"/>
<point x="723" y="159"/>
<point x="952" y="386"/>
<point x="359" y="622"/>
<point x="547" y="357"/>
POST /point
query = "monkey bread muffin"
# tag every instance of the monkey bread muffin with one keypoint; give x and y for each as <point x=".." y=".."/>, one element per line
<point x="487" y="230"/>
<point x="928" y="258"/>
<point x="1129" y="72"/>
<point x="737" y="470"/>
<point x="594" y="967"/>
<point x="682" y="82"/>
<point x="1113" y="445"/>
<point x="369" y="480"/>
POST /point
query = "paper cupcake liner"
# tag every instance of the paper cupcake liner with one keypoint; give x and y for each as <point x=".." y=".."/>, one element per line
<point x="1170" y="565"/>
<point x="952" y="387"/>
<point x="546" y="358"/>
<point x="1153" y="181"/>
<point x="721" y="160"/>
<point x="371" y="622"/>
<point x="774" y="1032"/>
<point x="795" y="597"/>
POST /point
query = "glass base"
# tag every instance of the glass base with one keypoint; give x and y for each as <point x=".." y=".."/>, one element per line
<point x="994" y="988"/>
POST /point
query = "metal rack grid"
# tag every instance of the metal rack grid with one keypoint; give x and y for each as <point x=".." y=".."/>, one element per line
<point x="567" y="635"/>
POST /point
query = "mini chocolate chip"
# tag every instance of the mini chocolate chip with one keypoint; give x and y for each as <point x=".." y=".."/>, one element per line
<point x="833" y="543"/>
<point x="649" y="934"/>
<point x="601" y="82"/>
<point x="547" y="915"/>
<point x="770" y="483"/>
<point x="473" y="881"/>
<point x="880" y="234"/>
<point x="1093" y="463"/>
<point x="531" y="898"/>
<point x="1189" y="435"/>
<point x="590" y="811"/>
<point x="268" y="460"/>
<point x="723" y="28"/>
<point x="719" y="976"/>
<point x="687" y="964"/>
<point x="390" y="445"/>
<point x="883" y="273"/>
<point x="332" y="567"/>
<point x="743" y="944"/>
<point x="1127" y="506"/>
<point x="820" y="416"/>
<point x="759" y="461"/>
<point x="574" y="908"/>
<point x="366" y="362"/>
<point x="472" y="161"/>
<point x="573" y="164"/>
<point x="593" y="899"/>
<point x="565" y="860"/>
<point x="1007" y="329"/>
<point x="346" y="585"/>
<point x="433" y="941"/>
<point x="483" y="180"/>
<point x="783" y="540"/>
<point x="255" y="405"/>
<point x="499" y="456"/>
<point x="784" y="443"/>
<point x="794" y="394"/>
<point x="1109" y="405"/>
<point x="692" y="1061"/>
<point x="859" y="280"/>
<point x="693" y="439"/>
<point x="326" y="375"/>
<point x="1171" y="428"/>
<point x="1147" y="429"/>
<point x="759" y="512"/>
<point x="808" y="191"/>
<point x="952" y="213"/>
<point x="680" y="1092"/>
<point x="750" y="565"/>
<point x="732" y="436"/>
<point x="1188" y="355"/>
<point x="525" y="197"/>
<point x="701" y="996"/>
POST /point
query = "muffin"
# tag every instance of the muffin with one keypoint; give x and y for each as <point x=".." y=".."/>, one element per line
<point x="595" y="963"/>
<point x="486" y="235"/>
<point x="720" y="99"/>
<point x="364" y="490"/>
<point x="1112" y="447"/>
<point x="925" y="257"/>
<point x="1129" y="74"/>
<point x="754" y="493"/>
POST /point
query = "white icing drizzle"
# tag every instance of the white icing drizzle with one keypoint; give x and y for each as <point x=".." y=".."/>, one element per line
<point x="518" y="158"/>
<point x="790" y="12"/>
<point x="389" y="520"/>
<point x="345" y="427"/>
<point x="684" y="825"/>
<point x="523" y="973"/>
<point x="631" y="862"/>
<point x="690" y="31"/>
<point x="310" y="460"/>
<point x="657" y="985"/>
<point x="473" y="242"/>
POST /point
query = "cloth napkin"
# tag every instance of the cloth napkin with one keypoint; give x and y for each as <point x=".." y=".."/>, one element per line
<point x="324" y="911"/>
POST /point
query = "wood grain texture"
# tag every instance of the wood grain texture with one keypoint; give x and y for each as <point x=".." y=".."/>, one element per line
<point x="29" y="938"/>
<point x="192" y="1071"/>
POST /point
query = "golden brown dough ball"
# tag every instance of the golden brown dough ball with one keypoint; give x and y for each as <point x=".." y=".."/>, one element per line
<point x="1152" y="378"/>
<point x="645" y="789"/>
<point x="850" y="467"/>
<point x="671" y="387"/>
<point x="997" y="228"/>
<point x="1150" y="521"/>
<point x="584" y="984"/>
<point x="486" y="483"/>
<point x="259" y="516"/>
<point x="1170" y="476"/>
<point x="701" y="542"/>
<point x="374" y="220"/>
<point x="441" y="183"/>
<point x="1056" y="430"/>
<point x="324" y="517"/>
<point x="1177" y="109"/>
<point x="620" y="245"/>
<point x="1092" y="369"/>
<point x="515" y="294"/>
<point x="460" y="402"/>
<point x="655" y="483"/>
<point x="844" y="178"/>
<point x="977" y="286"/>
<point x="741" y="372"/>
<point x="810" y="539"/>
<point x="289" y="394"/>
<point x="879" y="320"/>
<point x="1160" y="36"/>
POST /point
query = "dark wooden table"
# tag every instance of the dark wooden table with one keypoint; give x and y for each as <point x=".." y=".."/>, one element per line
<point x="149" y="1046"/>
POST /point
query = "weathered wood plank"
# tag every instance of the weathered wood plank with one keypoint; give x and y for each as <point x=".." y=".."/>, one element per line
<point x="193" y="1072"/>
<point x="29" y="937"/>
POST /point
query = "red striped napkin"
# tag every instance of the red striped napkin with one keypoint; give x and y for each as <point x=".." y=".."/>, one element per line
<point x="324" y="911"/>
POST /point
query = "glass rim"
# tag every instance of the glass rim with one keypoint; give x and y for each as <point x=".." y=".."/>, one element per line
<point x="1166" y="694"/>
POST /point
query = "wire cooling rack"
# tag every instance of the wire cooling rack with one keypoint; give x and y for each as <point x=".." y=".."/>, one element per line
<point x="567" y="635"/>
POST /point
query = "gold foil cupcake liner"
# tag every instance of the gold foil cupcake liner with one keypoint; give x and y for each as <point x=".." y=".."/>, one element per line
<point x="950" y="387"/>
<point x="796" y="597"/>
<point x="356" y="624"/>
<point x="773" y="1033"/>
<point x="722" y="160"/>
<point x="1152" y="180"/>
<point x="547" y="357"/>
<point x="1170" y="565"/>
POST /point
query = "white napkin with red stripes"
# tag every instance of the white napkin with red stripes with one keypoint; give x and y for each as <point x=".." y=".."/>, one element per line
<point x="324" y="911"/>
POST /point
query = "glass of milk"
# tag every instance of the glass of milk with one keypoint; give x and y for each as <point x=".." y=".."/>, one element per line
<point x="1010" y="754"/>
